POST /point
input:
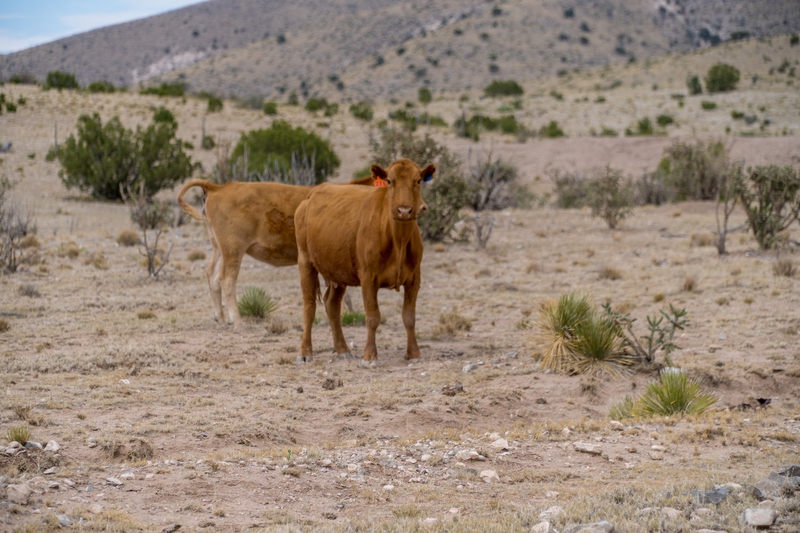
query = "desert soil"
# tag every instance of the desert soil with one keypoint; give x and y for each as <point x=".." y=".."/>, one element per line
<point x="220" y="430"/>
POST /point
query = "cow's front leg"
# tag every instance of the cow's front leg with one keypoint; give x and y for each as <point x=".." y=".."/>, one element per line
<point x="333" y="306"/>
<point x="410" y="291"/>
<point x="309" y="283"/>
<point x="373" y="315"/>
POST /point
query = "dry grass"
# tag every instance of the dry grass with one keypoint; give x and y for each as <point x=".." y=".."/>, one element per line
<point x="784" y="266"/>
<point x="689" y="284"/>
<point x="450" y="324"/>
<point x="705" y="238"/>
<point x="610" y="273"/>
<point x="128" y="238"/>
<point x="196" y="255"/>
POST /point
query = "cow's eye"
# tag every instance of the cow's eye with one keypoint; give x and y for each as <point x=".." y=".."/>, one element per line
<point x="388" y="181"/>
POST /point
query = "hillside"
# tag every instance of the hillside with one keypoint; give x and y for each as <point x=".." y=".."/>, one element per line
<point x="379" y="48"/>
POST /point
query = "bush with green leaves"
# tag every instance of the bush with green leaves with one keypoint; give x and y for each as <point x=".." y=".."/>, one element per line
<point x="446" y="195"/>
<point x="503" y="88"/>
<point x="57" y="79"/>
<point x="270" y="108"/>
<point x="708" y="105"/>
<point x="722" y="77"/>
<point x="16" y="228"/>
<point x="693" y="171"/>
<point x="101" y="158"/>
<point x="693" y="82"/>
<point x="610" y="196"/>
<point x="495" y="183"/>
<point x="424" y="95"/>
<point x="166" y="89"/>
<point x="215" y="104"/>
<point x="770" y="196"/>
<point x="551" y="130"/>
<point x="362" y="111"/>
<point x="162" y="114"/>
<point x="21" y="434"/>
<point x="664" y="120"/>
<point x="660" y="334"/>
<point x="569" y="189"/>
<point x="275" y="147"/>
<point x="255" y="302"/>
<point x="673" y="393"/>
<point x="102" y="86"/>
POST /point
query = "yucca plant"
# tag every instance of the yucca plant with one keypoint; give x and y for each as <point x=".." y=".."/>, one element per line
<point x="558" y="320"/>
<point x="255" y="302"/>
<point x="673" y="393"/>
<point x="21" y="434"/>
<point x="598" y="345"/>
<point x="622" y="409"/>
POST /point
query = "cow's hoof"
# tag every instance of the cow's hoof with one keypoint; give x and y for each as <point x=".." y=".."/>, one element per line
<point x="369" y="364"/>
<point x="302" y="359"/>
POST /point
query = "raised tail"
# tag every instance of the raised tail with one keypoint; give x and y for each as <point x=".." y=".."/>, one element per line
<point x="207" y="186"/>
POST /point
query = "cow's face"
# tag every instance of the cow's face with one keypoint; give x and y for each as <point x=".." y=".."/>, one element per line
<point x="403" y="185"/>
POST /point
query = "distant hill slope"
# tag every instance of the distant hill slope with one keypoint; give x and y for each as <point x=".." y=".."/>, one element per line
<point x="381" y="48"/>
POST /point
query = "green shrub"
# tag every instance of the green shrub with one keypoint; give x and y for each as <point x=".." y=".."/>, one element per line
<point x="315" y="104"/>
<point x="255" y="302"/>
<point x="331" y="110"/>
<point x="23" y="78"/>
<point x="558" y="322"/>
<point x="771" y="198"/>
<point x="673" y="393"/>
<point x="503" y="88"/>
<point x="610" y="196"/>
<point x="207" y="143"/>
<point x="496" y="185"/>
<point x="292" y="99"/>
<point x="708" y="105"/>
<point x="570" y="189"/>
<point x="353" y="318"/>
<point x="270" y="108"/>
<point x="424" y="95"/>
<point x="794" y="40"/>
<point x="608" y="132"/>
<point x="274" y="147"/>
<point x="599" y="348"/>
<point x="693" y="171"/>
<point x="214" y="104"/>
<point x="446" y="195"/>
<point x="162" y="114"/>
<point x="166" y="89"/>
<point x="644" y="126"/>
<point x="659" y="337"/>
<point x="101" y="87"/>
<point x="664" y="120"/>
<point x="622" y="409"/>
<point x="60" y="80"/>
<point x="721" y="78"/>
<point x="737" y="115"/>
<point x="99" y="159"/>
<point x="362" y="111"/>
<point x="693" y="82"/>
<point x="551" y="131"/>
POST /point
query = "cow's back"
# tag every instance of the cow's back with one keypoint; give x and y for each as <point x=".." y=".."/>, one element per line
<point x="327" y="224"/>
<point x="261" y="215"/>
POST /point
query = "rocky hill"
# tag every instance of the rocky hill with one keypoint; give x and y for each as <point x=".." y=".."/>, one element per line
<point x="382" y="48"/>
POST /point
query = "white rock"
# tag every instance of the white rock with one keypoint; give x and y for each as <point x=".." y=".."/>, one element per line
<point x="327" y="463"/>
<point x="655" y="455"/>
<point x="52" y="446"/>
<point x="500" y="444"/>
<point x="587" y="447"/>
<point x="490" y="476"/>
<point x="551" y="494"/>
<point x="64" y="520"/>
<point x="114" y="482"/>
<point x="352" y="467"/>
<point x="494" y="436"/>
<point x="671" y="513"/>
<point x="411" y="460"/>
<point x="49" y="471"/>
<point x="542" y="527"/>
<point x="388" y="487"/>
<point x="19" y="494"/>
<point x="657" y="448"/>
<point x="430" y="521"/>
<point x="766" y="504"/>
<point x="14" y="445"/>
<point x="425" y="457"/>
<point x="551" y="513"/>
<point x="616" y="426"/>
<point x="759" y="517"/>
<point x="128" y="475"/>
<point x="68" y="482"/>
<point x="150" y="476"/>
<point x="33" y="445"/>
<point x="91" y="442"/>
<point x="454" y="510"/>
<point x="467" y="455"/>
<point x="95" y="508"/>
<point x="53" y="485"/>
<point x="566" y="432"/>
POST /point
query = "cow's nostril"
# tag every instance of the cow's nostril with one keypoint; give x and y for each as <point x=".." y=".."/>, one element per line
<point x="423" y="208"/>
<point x="403" y="210"/>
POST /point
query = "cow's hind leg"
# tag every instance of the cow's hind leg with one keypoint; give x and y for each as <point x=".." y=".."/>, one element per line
<point x="309" y="283"/>
<point x="333" y="306"/>
<point x="229" y="273"/>
<point x="212" y="274"/>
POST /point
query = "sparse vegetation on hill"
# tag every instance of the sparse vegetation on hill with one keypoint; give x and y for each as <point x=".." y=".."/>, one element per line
<point x="101" y="87"/>
<point x="503" y="88"/>
<point x="166" y="89"/>
<point x="60" y="80"/>
<point x="722" y="77"/>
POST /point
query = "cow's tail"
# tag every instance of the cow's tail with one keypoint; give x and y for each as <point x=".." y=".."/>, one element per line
<point x="207" y="186"/>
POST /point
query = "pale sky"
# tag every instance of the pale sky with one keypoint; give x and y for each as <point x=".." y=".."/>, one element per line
<point x="27" y="23"/>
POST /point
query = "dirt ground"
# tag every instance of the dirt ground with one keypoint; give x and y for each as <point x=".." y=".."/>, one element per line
<point x="216" y="430"/>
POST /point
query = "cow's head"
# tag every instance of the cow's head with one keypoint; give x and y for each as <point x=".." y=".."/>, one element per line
<point x="403" y="179"/>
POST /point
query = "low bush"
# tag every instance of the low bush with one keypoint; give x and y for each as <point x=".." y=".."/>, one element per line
<point x="101" y="87"/>
<point x="162" y="114"/>
<point x="693" y="82"/>
<point x="770" y="196"/>
<point x="215" y="104"/>
<point x="708" y="105"/>
<point x="17" y="245"/>
<point x="570" y="189"/>
<point x="270" y="108"/>
<point x="551" y="130"/>
<point x="673" y="393"/>
<point x="362" y="111"/>
<point x="255" y="302"/>
<point x="693" y="171"/>
<point x="558" y="321"/>
<point x="610" y="196"/>
<point x="57" y="79"/>
<point x="478" y="123"/>
<point x="664" y="120"/>
<point x="166" y="89"/>
<point x="503" y="88"/>
<point x="722" y="77"/>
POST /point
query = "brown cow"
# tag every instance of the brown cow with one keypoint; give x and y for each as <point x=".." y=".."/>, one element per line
<point x="246" y="218"/>
<point x="362" y="236"/>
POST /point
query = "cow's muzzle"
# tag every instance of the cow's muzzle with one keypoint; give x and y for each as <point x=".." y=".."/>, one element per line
<point x="403" y="212"/>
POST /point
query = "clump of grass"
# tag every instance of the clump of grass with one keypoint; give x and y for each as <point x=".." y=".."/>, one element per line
<point x="673" y="393"/>
<point x="559" y="320"/>
<point x="28" y="290"/>
<point x="21" y="434"/>
<point x="407" y="511"/>
<point x="450" y="324"/>
<point x="277" y="327"/>
<point x="703" y="239"/>
<point x="97" y="260"/>
<point x="610" y="273"/>
<point x="690" y="284"/>
<point x="145" y="315"/>
<point x="784" y="267"/>
<point x="197" y="255"/>
<point x="622" y="409"/>
<point x="658" y="297"/>
<point x="128" y="237"/>
<point x="4" y="325"/>
<point x="255" y="302"/>
<point x="599" y="346"/>
<point x="70" y="249"/>
<point x="353" y="318"/>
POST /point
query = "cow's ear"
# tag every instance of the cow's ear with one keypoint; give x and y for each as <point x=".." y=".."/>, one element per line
<point x="378" y="172"/>
<point x="427" y="172"/>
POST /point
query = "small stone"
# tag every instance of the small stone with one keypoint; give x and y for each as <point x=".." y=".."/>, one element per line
<point x="469" y="455"/>
<point x="114" y="482"/>
<point x="551" y="494"/>
<point x="490" y="476"/>
<point x="388" y="487"/>
<point x="14" y="445"/>
<point x="542" y="527"/>
<point x="128" y="475"/>
<point x="150" y="476"/>
<point x="68" y="482"/>
<point x="656" y="456"/>
<point x="95" y="508"/>
<point x="430" y="521"/>
<point x="64" y="520"/>
<point x="32" y="445"/>
<point x="616" y="426"/>
<point x="326" y="463"/>
<point x="500" y="444"/>
<point x="566" y="432"/>
<point x="49" y="471"/>
<point x="425" y="457"/>
<point x="19" y="494"/>
<point x="469" y="368"/>
<point x="710" y="496"/>
<point x="672" y="514"/>
<point x="91" y="442"/>
<point x="352" y="467"/>
<point x="766" y="489"/>
<point x="759" y="517"/>
<point x="53" y="485"/>
<point x="789" y="471"/>
<point x="657" y="448"/>
<point x="595" y="527"/>
<point x="631" y="449"/>
<point x="586" y="447"/>
<point x="551" y="513"/>
<point x="52" y="446"/>
<point x="541" y="401"/>
<point x="766" y="504"/>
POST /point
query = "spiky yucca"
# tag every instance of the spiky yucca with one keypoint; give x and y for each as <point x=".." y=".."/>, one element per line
<point x="622" y="409"/>
<point x="673" y="393"/>
<point x="558" y="320"/>
<point x="598" y="348"/>
<point x="21" y="434"/>
<point x="255" y="302"/>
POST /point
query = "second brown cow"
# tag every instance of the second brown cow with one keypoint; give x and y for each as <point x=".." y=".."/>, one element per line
<point x="368" y="237"/>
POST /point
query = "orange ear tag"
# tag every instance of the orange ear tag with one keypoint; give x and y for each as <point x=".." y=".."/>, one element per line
<point x="379" y="182"/>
